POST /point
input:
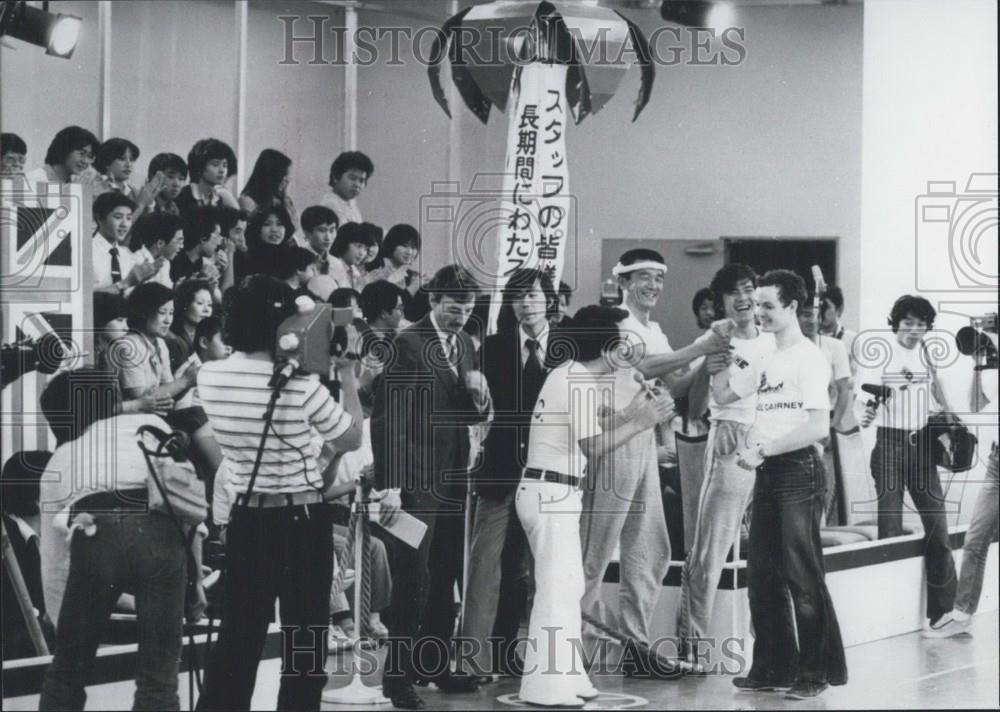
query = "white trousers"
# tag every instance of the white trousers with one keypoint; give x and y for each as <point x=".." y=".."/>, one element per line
<point x="553" y="663"/>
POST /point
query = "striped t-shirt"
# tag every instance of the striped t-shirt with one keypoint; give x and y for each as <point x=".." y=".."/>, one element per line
<point x="234" y="393"/>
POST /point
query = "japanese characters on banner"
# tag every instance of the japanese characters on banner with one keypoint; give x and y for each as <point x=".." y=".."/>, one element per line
<point x="44" y="277"/>
<point x="536" y="202"/>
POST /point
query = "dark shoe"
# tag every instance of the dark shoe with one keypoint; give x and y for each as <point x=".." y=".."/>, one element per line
<point x="751" y="685"/>
<point x="405" y="698"/>
<point x="457" y="682"/>
<point x="805" y="690"/>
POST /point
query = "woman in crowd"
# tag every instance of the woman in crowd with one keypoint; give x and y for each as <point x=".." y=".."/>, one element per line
<point x="113" y="166"/>
<point x="192" y="303"/>
<point x="397" y="259"/>
<point x="269" y="230"/>
<point x="70" y="154"/>
<point x="268" y="184"/>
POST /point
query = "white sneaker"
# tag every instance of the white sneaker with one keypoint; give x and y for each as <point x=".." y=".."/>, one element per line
<point x="946" y="627"/>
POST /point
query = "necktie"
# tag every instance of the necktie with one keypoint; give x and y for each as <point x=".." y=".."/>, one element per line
<point x="324" y="265"/>
<point x="534" y="373"/>
<point x="116" y="266"/>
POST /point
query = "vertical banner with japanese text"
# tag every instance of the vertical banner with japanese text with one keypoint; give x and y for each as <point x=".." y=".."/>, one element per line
<point x="536" y="203"/>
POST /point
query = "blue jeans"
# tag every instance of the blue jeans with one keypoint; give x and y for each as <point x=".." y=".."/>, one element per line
<point x="135" y="552"/>
<point x="900" y="463"/>
<point x="982" y="529"/>
<point x="786" y="557"/>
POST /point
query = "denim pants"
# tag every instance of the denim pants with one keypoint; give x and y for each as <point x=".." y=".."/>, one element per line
<point x="499" y="578"/>
<point x="786" y="557"/>
<point x="141" y="553"/>
<point x="283" y="553"/>
<point x="725" y="494"/>
<point x="901" y="463"/>
<point x="982" y="529"/>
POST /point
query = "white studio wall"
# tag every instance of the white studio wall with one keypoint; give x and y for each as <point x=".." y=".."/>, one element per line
<point x="930" y="108"/>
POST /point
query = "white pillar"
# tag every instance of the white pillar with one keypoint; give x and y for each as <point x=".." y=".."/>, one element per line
<point x="242" y="8"/>
<point x="104" y="64"/>
<point x="350" y="80"/>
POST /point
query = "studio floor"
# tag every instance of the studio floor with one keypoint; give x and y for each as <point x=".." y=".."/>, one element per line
<point x="904" y="672"/>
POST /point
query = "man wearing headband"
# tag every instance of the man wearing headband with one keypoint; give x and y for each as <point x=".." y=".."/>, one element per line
<point x="622" y="503"/>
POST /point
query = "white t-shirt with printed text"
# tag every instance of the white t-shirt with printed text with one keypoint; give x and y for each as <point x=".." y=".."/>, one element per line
<point x="791" y="382"/>
<point x="909" y="377"/>
<point x="747" y="354"/>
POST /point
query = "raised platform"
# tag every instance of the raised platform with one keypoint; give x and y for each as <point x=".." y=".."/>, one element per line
<point x="878" y="589"/>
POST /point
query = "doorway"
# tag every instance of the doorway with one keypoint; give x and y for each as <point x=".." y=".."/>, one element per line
<point x="795" y="254"/>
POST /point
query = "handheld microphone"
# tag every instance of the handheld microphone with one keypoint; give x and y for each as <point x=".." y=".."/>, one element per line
<point x="880" y="394"/>
<point x="649" y="389"/>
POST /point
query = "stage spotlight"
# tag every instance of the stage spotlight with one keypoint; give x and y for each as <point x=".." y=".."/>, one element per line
<point x="57" y="33"/>
<point x="699" y="13"/>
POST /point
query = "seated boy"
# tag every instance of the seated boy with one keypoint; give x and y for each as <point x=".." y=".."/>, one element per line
<point x="349" y="174"/>
<point x="13" y="152"/>
<point x="115" y="269"/>
<point x="160" y="237"/>
<point x="211" y="163"/>
<point x="168" y="175"/>
<point x="202" y="237"/>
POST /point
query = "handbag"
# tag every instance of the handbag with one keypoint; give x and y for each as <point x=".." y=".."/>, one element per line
<point x="953" y="446"/>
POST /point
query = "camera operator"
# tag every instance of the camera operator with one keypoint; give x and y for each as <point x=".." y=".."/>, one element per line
<point x="986" y="513"/>
<point x="902" y="459"/>
<point x="279" y="542"/>
<point x="99" y="477"/>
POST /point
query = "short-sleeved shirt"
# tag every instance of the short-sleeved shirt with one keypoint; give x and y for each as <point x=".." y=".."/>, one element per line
<point x="234" y="394"/>
<point x="347" y="210"/>
<point x="791" y="382"/>
<point x="747" y="355"/>
<point x="140" y="363"/>
<point x="836" y="356"/>
<point x="655" y="342"/>
<point x="908" y="375"/>
<point x="102" y="261"/>
<point x="143" y="255"/>
<point x="566" y="412"/>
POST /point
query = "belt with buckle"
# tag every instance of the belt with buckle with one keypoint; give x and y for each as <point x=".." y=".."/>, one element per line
<point x="531" y="473"/>
<point x="264" y="500"/>
<point x="910" y="436"/>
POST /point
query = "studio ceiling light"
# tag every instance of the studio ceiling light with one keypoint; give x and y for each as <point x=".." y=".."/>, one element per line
<point x="56" y="32"/>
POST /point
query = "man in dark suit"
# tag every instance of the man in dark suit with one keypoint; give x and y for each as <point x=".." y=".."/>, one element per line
<point x="430" y="393"/>
<point x="516" y="361"/>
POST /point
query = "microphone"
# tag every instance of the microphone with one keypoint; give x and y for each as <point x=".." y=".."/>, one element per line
<point x="881" y="394"/>
<point x="645" y="385"/>
<point x="820" y="283"/>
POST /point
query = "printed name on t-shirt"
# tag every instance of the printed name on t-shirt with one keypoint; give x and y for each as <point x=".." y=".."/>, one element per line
<point x="786" y="405"/>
